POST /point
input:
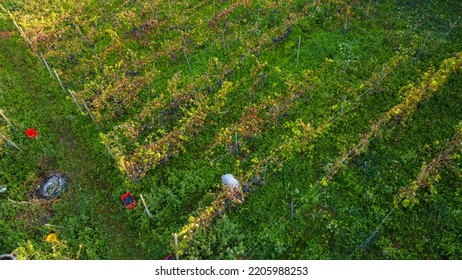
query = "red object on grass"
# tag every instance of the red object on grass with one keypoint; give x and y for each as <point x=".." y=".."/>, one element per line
<point x="31" y="133"/>
<point x="169" y="258"/>
<point x="128" y="200"/>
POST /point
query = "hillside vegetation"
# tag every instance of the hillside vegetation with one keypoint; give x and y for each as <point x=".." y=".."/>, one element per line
<point x="342" y="120"/>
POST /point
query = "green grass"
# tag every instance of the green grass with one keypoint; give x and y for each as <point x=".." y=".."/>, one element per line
<point x="67" y="143"/>
<point x="335" y="63"/>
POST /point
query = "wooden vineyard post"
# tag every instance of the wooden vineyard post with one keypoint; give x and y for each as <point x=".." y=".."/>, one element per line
<point x="9" y="141"/>
<point x="7" y="120"/>
<point x="421" y="47"/>
<point x="145" y="206"/>
<point x="264" y="171"/>
<point x="64" y="90"/>
<point x="89" y="113"/>
<point x="21" y="31"/>
<point x="313" y="10"/>
<point x="187" y="60"/>
<point x="109" y="150"/>
<point x="237" y="142"/>
<point x="46" y="64"/>
<point x="75" y="101"/>
<point x="50" y="225"/>
<point x="348" y="58"/>
<point x="175" y="241"/>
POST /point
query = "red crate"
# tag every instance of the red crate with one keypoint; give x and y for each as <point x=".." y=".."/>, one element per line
<point x="169" y="258"/>
<point x="128" y="200"/>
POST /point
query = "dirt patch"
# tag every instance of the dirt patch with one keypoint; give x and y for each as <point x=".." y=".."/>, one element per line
<point x="5" y="34"/>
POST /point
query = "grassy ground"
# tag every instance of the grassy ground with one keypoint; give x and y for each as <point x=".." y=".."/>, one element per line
<point x="67" y="143"/>
<point x="338" y="59"/>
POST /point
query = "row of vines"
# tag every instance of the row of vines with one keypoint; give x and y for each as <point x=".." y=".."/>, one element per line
<point x="251" y="88"/>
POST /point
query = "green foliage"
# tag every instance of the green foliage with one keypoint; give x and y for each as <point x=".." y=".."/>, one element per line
<point x="180" y="94"/>
<point x="223" y="242"/>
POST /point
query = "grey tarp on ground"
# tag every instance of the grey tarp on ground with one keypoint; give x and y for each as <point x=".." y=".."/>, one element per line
<point x="230" y="181"/>
<point x="53" y="186"/>
<point x="6" y="257"/>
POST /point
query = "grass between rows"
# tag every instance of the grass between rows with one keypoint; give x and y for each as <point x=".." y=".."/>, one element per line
<point x="68" y="143"/>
